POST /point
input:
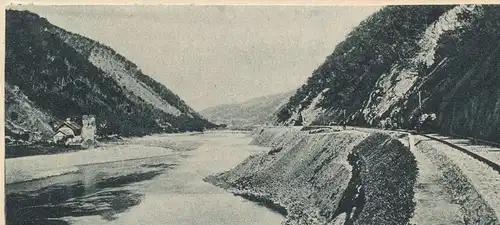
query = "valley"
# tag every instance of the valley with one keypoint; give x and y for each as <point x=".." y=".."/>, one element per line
<point x="399" y="124"/>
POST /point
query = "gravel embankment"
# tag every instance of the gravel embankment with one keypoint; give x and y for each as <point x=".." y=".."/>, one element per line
<point x="469" y="183"/>
<point x="388" y="176"/>
<point x="434" y="202"/>
<point x="347" y="177"/>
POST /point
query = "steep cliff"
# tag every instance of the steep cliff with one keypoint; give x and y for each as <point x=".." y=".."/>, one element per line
<point x="58" y="74"/>
<point x="447" y="53"/>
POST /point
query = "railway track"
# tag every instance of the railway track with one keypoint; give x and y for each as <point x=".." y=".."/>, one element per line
<point x="475" y="140"/>
<point x="478" y="157"/>
<point x="495" y="166"/>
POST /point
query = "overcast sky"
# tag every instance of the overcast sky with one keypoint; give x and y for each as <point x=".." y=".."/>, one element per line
<point x="211" y="55"/>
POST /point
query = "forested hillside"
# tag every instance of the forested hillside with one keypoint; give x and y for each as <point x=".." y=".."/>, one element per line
<point x="448" y="53"/>
<point x="52" y="74"/>
<point x="256" y="111"/>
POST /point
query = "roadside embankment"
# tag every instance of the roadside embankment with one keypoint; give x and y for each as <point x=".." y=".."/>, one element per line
<point x="347" y="177"/>
<point x="464" y="183"/>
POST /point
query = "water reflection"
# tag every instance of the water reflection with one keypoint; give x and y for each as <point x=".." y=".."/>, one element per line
<point x="96" y="190"/>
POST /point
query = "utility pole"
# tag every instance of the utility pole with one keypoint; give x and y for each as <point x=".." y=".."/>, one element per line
<point x="402" y="113"/>
<point x="344" y="122"/>
<point x="420" y="100"/>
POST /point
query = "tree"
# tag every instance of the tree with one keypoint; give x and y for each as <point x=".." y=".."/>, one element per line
<point x="14" y="116"/>
<point x="299" y="120"/>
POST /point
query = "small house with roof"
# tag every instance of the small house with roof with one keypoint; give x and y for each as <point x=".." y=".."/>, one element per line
<point x="72" y="133"/>
<point x="66" y="130"/>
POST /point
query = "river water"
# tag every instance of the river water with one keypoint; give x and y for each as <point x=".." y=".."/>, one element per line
<point x="165" y="189"/>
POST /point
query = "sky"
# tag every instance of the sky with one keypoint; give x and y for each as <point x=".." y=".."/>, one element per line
<point x="212" y="55"/>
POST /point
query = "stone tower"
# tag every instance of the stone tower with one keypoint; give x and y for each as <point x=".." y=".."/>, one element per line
<point x="88" y="131"/>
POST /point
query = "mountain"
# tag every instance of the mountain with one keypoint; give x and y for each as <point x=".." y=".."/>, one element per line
<point x="449" y="54"/>
<point x="256" y="111"/>
<point x="52" y="74"/>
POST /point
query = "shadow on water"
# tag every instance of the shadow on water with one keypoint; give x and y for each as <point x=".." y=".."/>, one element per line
<point x="102" y="194"/>
<point x="265" y="202"/>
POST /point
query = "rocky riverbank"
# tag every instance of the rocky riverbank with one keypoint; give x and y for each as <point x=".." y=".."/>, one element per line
<point x="346" y="177"/>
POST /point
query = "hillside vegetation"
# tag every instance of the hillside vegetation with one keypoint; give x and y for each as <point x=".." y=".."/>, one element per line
<point x="448" y="53"/>
<point x="52" y="74"/>
<point x="256" y="111"/>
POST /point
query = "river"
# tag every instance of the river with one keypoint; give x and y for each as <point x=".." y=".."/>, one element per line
<point x="164" y="189"/>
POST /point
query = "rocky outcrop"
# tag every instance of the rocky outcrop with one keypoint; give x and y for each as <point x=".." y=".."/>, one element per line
<point x="448" y="54"/>
<point x="327" y="178"/>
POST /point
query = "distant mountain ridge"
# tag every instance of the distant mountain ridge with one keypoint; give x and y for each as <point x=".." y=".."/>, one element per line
<point x="256" y="111"/>
<point x="52" y="74"/>
<point x="448" y="53"/>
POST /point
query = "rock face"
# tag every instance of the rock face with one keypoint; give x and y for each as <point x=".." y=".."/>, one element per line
<point x="328" y="178"/>
<point x="447" y="53"/>
<point x="52" y="74"/>
<point x="257" y="111"/>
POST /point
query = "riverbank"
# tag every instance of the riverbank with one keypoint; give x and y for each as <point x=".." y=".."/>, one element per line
<point x="29" y="168"/>
<point x="328" y="178"/>
<point x="15" y="151"/>
<point x="39" y="166"/>
<point x="156" y="190"/>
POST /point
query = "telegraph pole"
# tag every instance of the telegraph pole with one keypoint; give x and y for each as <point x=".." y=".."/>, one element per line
<point x="344" y="122"/>
<point x="420" y="100"/>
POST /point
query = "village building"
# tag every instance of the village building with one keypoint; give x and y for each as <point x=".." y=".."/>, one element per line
<point x="71" y="133"/>
<point x="67" y="129"/>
